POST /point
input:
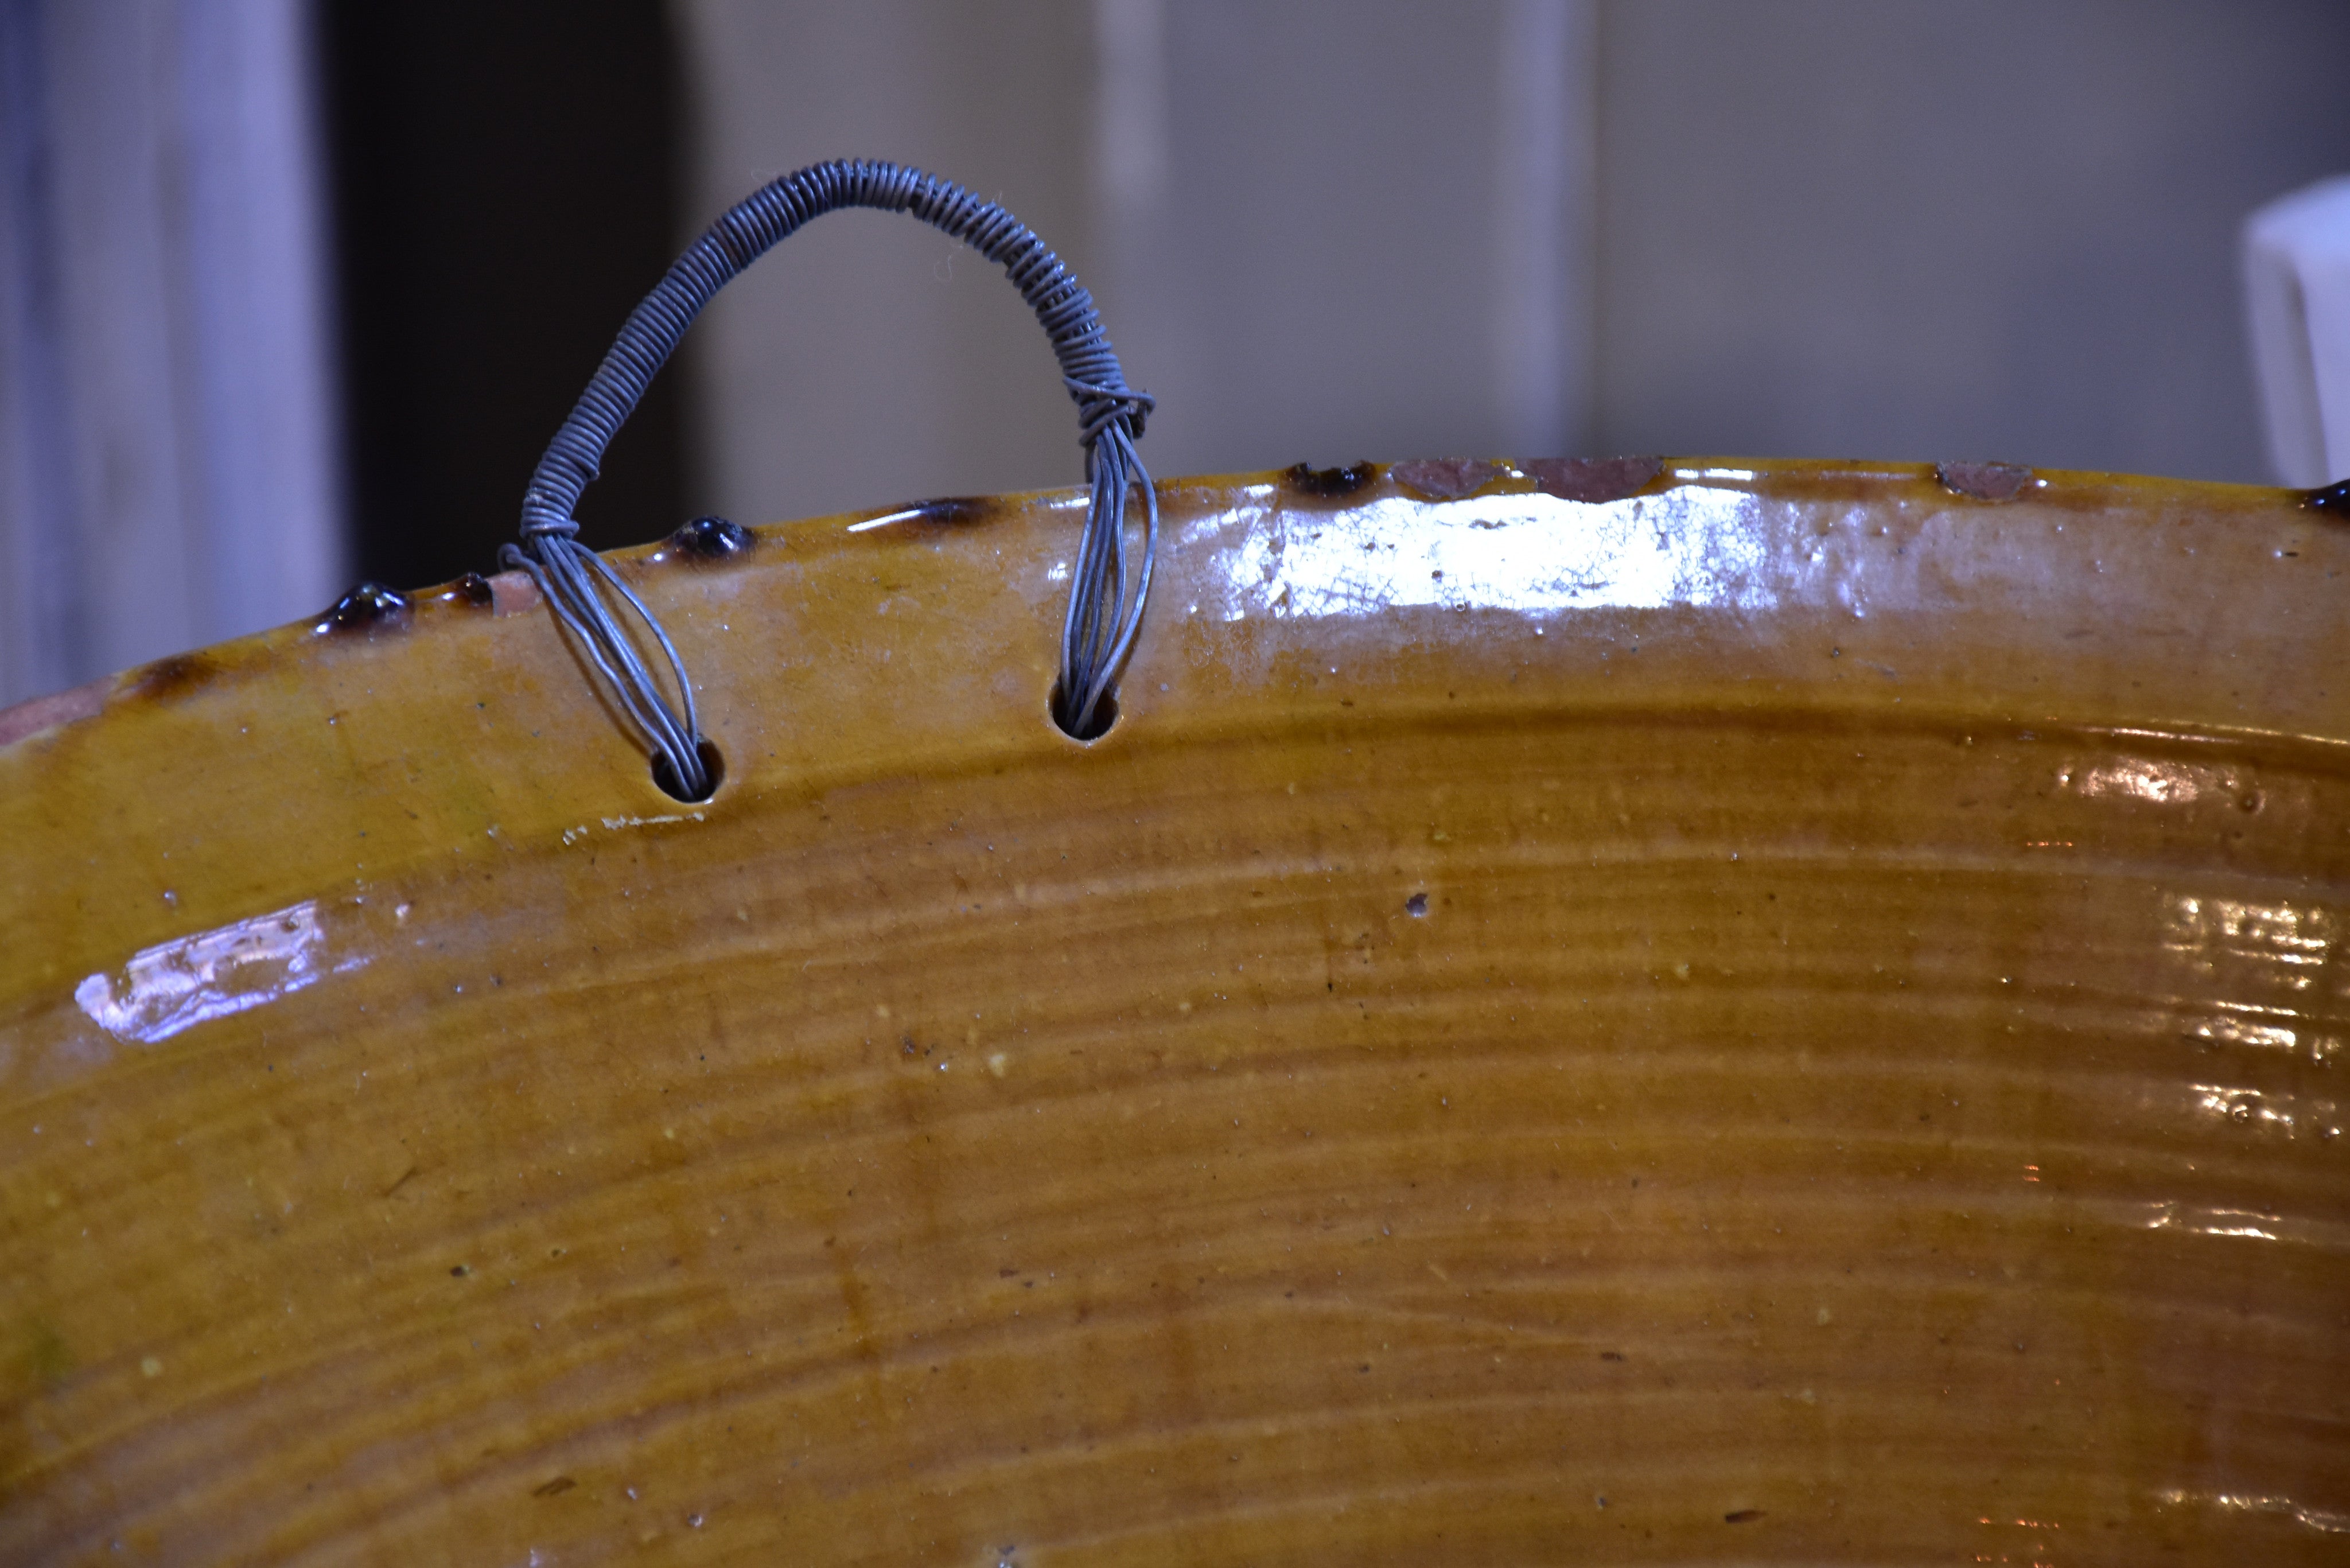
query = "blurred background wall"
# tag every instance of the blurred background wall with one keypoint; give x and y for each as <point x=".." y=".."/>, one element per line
<point x="294" y="290"/>
<point x="1314" y="231"/>
<point x="170" y="436"/>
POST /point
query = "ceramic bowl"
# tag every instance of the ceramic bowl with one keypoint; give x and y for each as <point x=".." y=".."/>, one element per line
<point x="1701" y="1012"/>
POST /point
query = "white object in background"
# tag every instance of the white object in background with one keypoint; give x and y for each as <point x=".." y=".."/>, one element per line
<point x="169" y="466"/>
<point x="2297" y="287"/>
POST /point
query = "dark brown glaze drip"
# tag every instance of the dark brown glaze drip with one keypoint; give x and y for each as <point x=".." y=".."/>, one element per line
<point x="1992" y="482"/>
<point x="712" y="539"/>
<point x="371" y="607"/>
<point x="956" y="510"/>
<point x="2334" y="500"/>
<point x="1446" y="478"/>
<point x="1593" y="481"/>
<point x="174" y="677"/>
<point x="1325" y="483"/>
<point x="472" y="589"/>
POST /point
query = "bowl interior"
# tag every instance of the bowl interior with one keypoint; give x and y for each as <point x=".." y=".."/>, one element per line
<point x="1789" y="1014"/>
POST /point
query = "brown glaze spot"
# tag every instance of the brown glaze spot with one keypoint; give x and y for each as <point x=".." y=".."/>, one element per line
<point x="1742" y="1516"/>
<point x="956" y="509"/>
<point x="173" y="677"/>
<point x="1992" y="482"/>
<point x="1329" y="482"/>
<point x="555" y="1487"/>
<point x="2335" y="499"/>
<point x="1446" y="478"/>
<point x="1593" y="481"/>
<point x="371" y="607"/>
<point x="473" y="590"/>
<point x="712" y="539"/>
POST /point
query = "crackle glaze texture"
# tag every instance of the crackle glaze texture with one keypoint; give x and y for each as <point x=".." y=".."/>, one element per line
<point x="1710" y="1012"/>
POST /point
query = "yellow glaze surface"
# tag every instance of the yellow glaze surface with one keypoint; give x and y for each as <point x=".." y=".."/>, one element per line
<point x="1796" y="1016"/>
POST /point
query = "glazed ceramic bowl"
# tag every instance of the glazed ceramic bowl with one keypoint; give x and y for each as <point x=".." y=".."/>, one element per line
<point x="1700" y="1013"/>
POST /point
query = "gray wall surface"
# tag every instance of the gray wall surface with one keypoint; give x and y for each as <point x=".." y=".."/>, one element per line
<point x="1842" y="228"/>
<point x="169" y="451"/>
<point x="2002" y="228"/>
<point x="869" y="358"/>
<point x="1291" y="215"/>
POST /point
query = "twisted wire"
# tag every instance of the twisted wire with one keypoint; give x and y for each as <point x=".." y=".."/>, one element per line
<point x="1106" y="591"/>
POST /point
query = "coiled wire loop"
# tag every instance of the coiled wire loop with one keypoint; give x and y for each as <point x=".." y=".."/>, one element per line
<point x="1106" y="591"/>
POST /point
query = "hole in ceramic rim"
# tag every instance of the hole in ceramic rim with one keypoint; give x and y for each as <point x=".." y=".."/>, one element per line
<point x="1104" y="719"/>
<point x="713" y="765"/>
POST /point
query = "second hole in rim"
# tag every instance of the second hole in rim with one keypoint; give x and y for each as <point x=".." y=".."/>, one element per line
<point x="1103" y="717"/>
<point x="712" y="763"/>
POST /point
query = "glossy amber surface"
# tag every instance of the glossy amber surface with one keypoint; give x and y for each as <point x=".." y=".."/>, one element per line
<point x="1746" y="1013"/>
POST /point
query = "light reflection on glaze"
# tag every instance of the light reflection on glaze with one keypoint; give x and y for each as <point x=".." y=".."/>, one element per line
<point x="2240" y="1024"/>
<point x="1533" y="553"/>
<point x="2324" y="1520"/>
<point x="2248" y="1106"/>
<point x="2215" y="1221"/>
<point x="2279" y="933"/>
<point x="2270" y="955"/>
<point x="212" y="975"/>
<point x="2254" y="1224"/>
<point x="2162" y="783"/>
